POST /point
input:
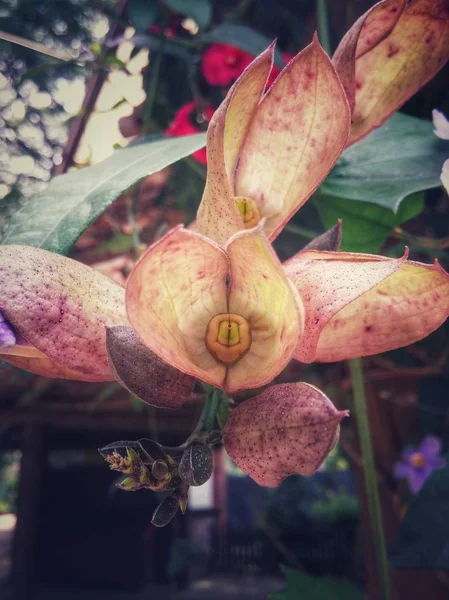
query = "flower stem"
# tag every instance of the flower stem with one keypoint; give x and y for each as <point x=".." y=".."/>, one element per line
<point x="370" y="475"/>
<point x="323" y="26"/>
<point x="207" y="418"/>
<point x="155" y="69"/>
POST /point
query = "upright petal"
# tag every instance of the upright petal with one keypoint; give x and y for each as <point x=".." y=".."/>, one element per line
<point x="385" y="70"/>
<point x="360" y="304"/>
<point x="174" y="290"/>
<point x="61" y="307"/>
<point x="260" y="292"/>
<point x="289" y="428"/>
<point x="218" y="216"/>
<point x="295" y="138"/>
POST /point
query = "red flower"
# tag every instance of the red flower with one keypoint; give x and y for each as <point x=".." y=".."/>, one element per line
<point x="222" y="64"/>
<point x="186" y="122"/>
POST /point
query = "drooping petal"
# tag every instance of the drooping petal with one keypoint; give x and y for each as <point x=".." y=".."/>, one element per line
<point x="174" y="290"/>
<point x="361" y="304"/>
<point x="441" y="125"/>
<point x="218" y="216"/>
<point x="61" y="307"/>
<point x="46" y="367"/>
<point x="260" y="292"/>
<point x="295" y="138"/>
<point x="396" y="62"/>
<point x="289" y="428"/>
<point x="143" y="373"/>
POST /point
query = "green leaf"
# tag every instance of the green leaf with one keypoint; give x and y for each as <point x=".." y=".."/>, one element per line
<point x="401" y="157"/>
<point x="244" y="38"/>
<point x="301" y="586"/>
<point x="422" y="539"/>
<point x="142" y="13"/>
<point x="365" y="226"/>
<point x="199" y="10"/>
<point x="54" y="219"/>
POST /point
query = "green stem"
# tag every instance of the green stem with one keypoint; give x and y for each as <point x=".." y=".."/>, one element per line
<point x="207" y="418"/>
<point x="370" y="474"/>
<point x="323" y="26"/>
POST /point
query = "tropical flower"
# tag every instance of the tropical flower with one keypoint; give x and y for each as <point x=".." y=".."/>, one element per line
<point x="222" y="64"/>
<point x="388" y="54"/>
<point x="187" y="120"/>
<point x="216" y="304"/>
<point x="418" y="463"/>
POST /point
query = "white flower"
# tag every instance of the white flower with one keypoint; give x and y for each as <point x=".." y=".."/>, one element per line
<point x="441" y="124"/>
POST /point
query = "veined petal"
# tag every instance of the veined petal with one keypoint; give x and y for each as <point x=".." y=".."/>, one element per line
<point x="360" y="304"/>
<point x="289" y="428"/>
<point x="61" y="307"/>
<point x="260" y="292"/>
<point x="393" y="66"/>
<point x="218" y="217"/>
<point x="173" y="292"/>
<point x="299" y="130"/>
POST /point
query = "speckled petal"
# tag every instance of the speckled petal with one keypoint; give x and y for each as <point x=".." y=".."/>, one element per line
<point x="218" y="216"/>
<point x="61" y="307"/>
<point x="143" y="373"/>
<point x="296" y="136"/>
<point x="361" y="304"/>
<point x="173" y="292"/>
<point x="46" y="367"/>
<point x="393" y="65"/>
<point x="260" y="292"/>
<point x="289" y="428"/>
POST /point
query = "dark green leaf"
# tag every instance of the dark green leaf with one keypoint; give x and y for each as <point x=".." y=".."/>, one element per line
<point x="54" y="219"/>
<point x="244" y="38"/>
<point x="142" y="13"/>
<point x="422" y="539"/>
<point x="199" y="10"/>
<point x="401" y="157"/>
<point x="301" y="586"/>
<point x="366" y="226"/>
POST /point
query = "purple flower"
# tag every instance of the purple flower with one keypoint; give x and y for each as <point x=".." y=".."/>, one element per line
<point x="418" y="463"/>
<point x="7" y="337"/>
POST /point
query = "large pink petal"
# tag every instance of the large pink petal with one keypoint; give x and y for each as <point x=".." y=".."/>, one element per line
<point x="260" y="292"/>
<point x="360" y="304"/>
<point x="289" y="428"/>
<point x="218" y="216"/>
<point x="295" y="138"/>
<point x="61" y="307"/>
<point x="174" y="290"/>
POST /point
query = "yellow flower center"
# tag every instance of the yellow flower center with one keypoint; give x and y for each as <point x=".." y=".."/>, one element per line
<point x="417" y="460"/>
<point x="248" y="210"/>
<point x="228" y="338"/>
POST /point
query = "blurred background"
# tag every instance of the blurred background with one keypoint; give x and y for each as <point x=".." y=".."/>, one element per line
<point x="80" y="78"/>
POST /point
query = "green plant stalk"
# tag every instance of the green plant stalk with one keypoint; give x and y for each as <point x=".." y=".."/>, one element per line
<point x="370" y="475"/>
<point x="323" y="26"/>
<point x="207" y="418"/>
<point x="155" y="69"/>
